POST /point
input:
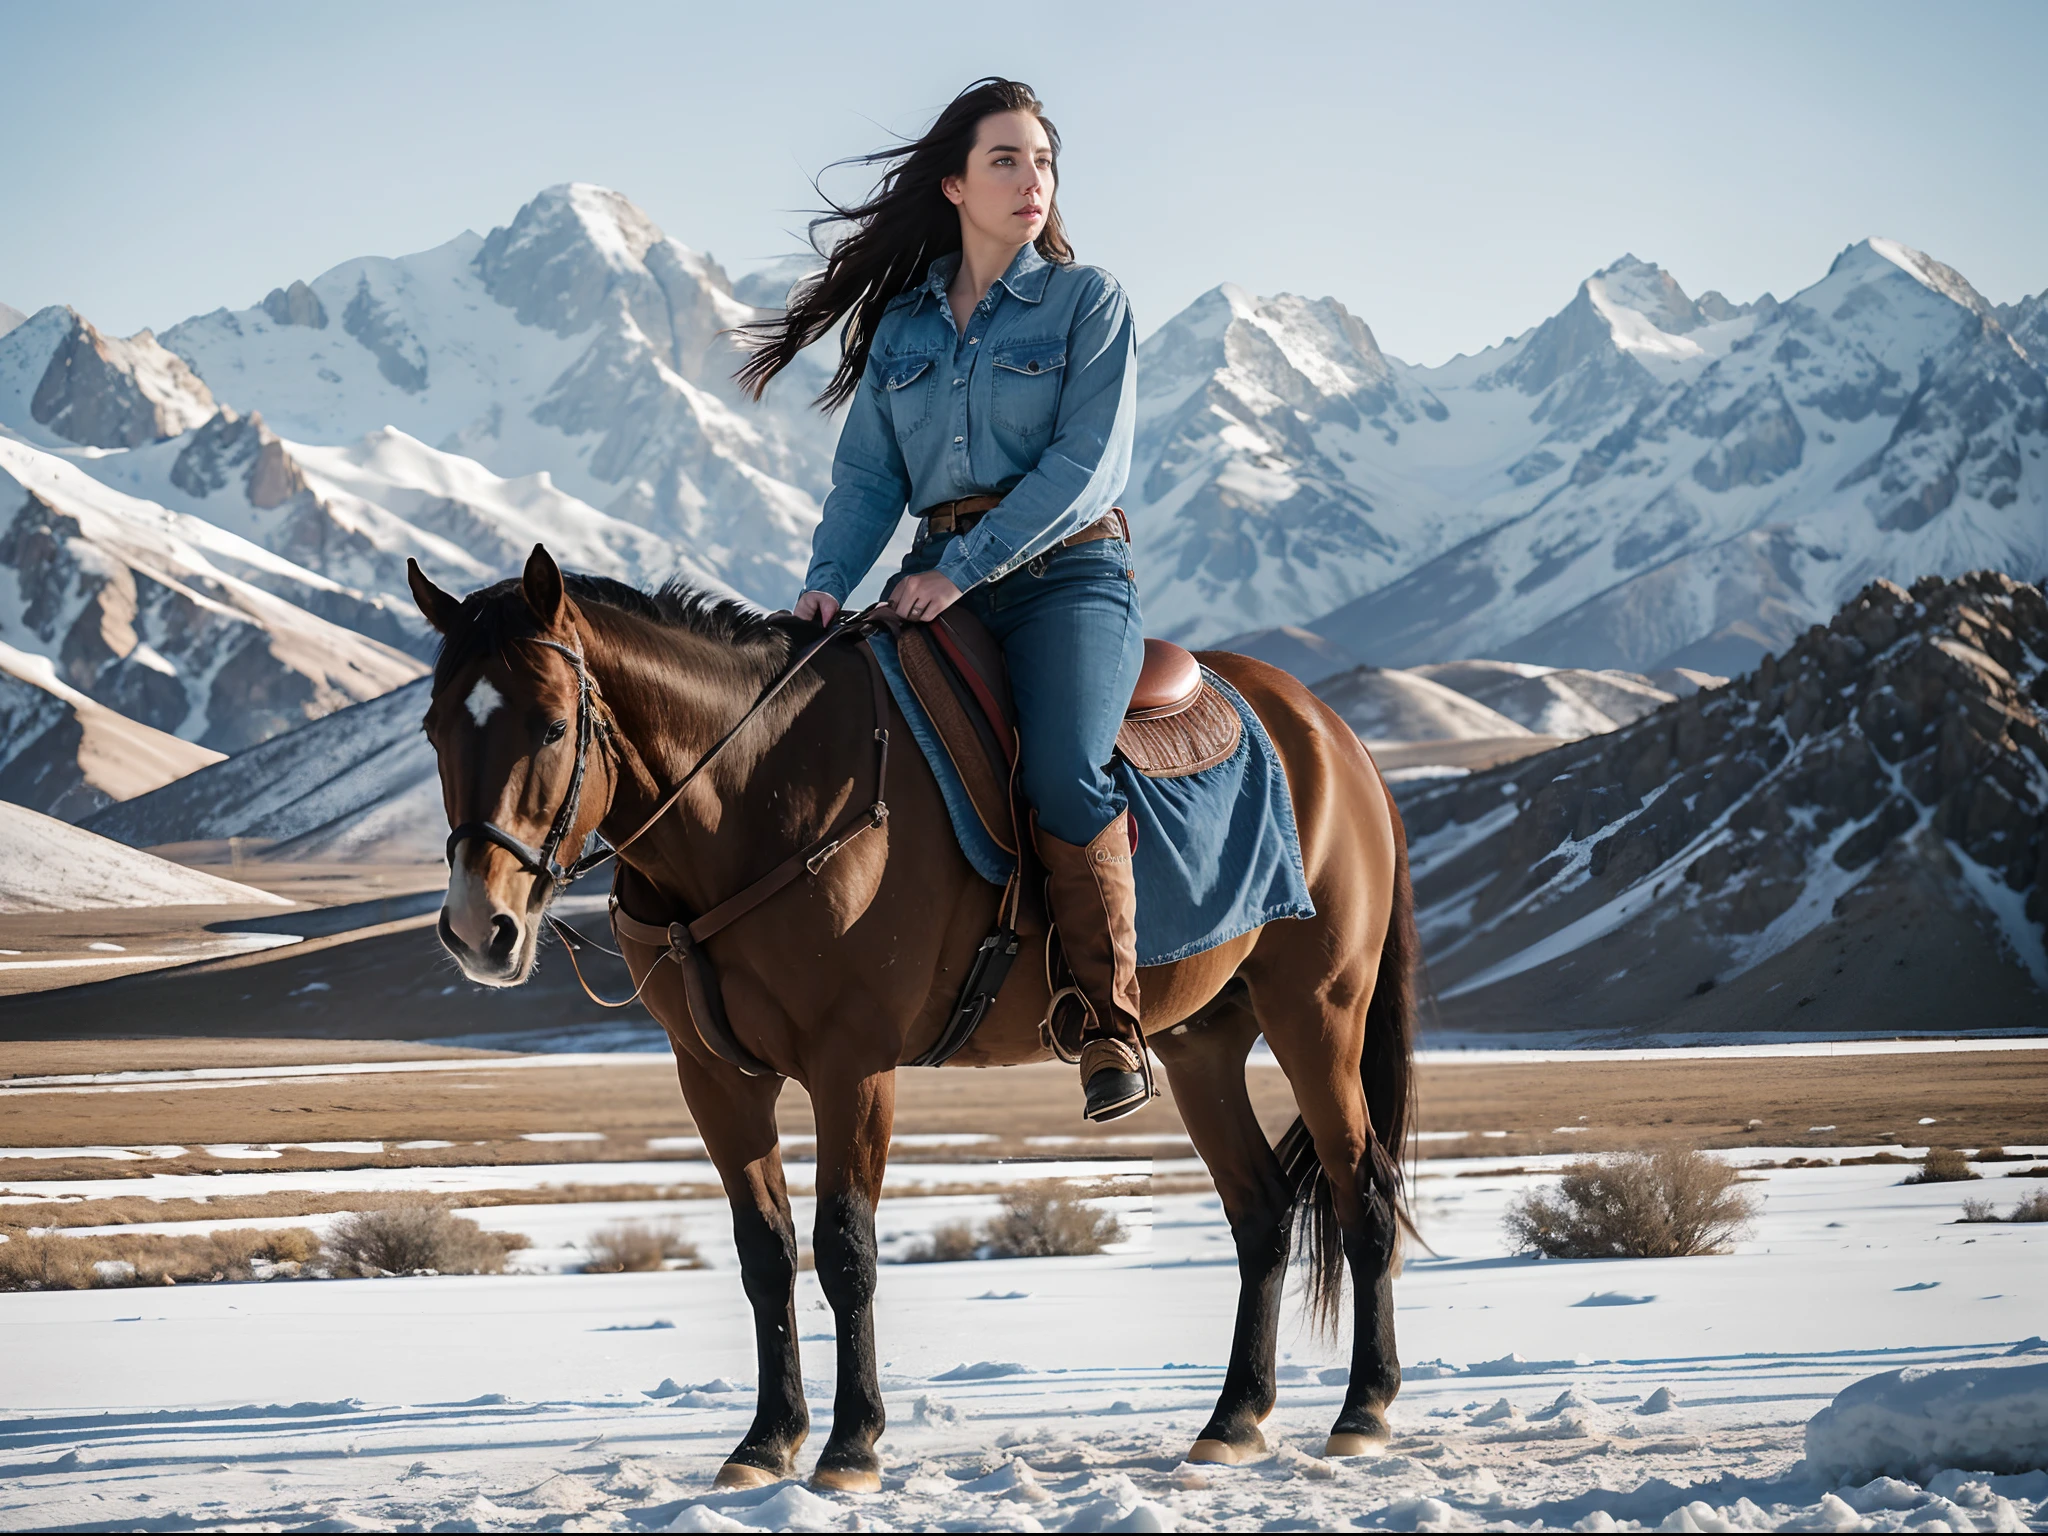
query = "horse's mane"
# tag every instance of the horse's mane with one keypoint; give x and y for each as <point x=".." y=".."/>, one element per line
<point x="498" y="616"/>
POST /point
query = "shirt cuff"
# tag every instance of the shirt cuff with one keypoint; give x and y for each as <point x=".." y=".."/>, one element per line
<point x="963" y="569"/>
<point x="829" y="583"/>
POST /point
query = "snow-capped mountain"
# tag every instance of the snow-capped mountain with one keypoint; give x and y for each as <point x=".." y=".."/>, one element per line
<point x="1882" y="423"/>
<point x="577" y="349"/>
<point x="1851" y="837"/>
<point x="1643" y="481"/>
<point x="1285" y="465"/>
<point x="63" y="381"/>
<point x="171" y="620"/>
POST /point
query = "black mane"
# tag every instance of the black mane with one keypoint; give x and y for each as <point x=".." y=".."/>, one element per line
<point x="498" y="614"/>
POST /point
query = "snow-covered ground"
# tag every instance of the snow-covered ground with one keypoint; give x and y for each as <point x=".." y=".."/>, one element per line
<point x="526" y="1401"/>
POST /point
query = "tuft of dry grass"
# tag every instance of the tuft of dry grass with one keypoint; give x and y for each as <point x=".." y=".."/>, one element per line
<point x="1672" y="1203"/>
<point x="633" y="1247"/>
<point x="1942" y="1165"/>
<point x="947" y="1244"/>
<point x="2032" y="1207"/>
<point x="418" y="1235"/>
<point x="1047" y="1220"/>
<point x="1042" y="1220"/>
<point x="53" y="1262"/>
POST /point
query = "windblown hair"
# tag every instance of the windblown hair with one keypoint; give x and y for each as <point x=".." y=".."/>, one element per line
<point x="498" y="616"/>
<point x="905" y="224"/>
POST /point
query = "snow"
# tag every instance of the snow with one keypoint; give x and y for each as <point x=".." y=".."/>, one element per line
<point x="1072" y="1387"/>
<point x="1911" y="1423"/>
<point x="52" y="866"/>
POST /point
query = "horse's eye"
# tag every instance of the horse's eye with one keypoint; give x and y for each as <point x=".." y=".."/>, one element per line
<point x="556" y="732"/>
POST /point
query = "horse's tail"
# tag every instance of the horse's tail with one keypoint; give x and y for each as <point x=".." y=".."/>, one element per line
<point x="1387" y="1072"/>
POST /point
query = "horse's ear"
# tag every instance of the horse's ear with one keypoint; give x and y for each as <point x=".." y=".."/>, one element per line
<point x="440" y="608"/>
<point x="542" y="586"/>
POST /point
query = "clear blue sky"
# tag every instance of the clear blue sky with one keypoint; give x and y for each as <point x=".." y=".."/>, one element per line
<point x="1449" y="171"/>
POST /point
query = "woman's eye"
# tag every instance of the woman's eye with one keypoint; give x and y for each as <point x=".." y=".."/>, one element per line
<point x="555" y="733"/>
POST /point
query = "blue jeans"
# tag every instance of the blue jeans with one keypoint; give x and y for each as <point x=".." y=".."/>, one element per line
<point x="1074" y="641"/>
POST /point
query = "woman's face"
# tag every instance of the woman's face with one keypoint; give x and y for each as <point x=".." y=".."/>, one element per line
<point x="1006" y="193"/>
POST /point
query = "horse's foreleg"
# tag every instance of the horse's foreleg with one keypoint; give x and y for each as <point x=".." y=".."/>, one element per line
<point x="1205" y="1065"/>
<point x="735" y="1115"/>
<point x="853" y="1150"/>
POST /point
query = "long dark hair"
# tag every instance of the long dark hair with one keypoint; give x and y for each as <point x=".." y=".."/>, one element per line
<point x="904" y="226"/>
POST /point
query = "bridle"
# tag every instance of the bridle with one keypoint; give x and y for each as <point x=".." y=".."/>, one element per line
<point x="541" y="862"/>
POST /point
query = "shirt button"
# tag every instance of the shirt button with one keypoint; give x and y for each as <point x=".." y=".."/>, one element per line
<point x="959" y="439"/>
<point x="972" y="340"/>
<point x="958" y="382"/>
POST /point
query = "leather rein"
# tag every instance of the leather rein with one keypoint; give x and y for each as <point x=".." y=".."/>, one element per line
<point x="682" y="941"/>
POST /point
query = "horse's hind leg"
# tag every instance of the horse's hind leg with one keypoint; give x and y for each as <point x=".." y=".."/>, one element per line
<point x="1317" y="1040"/>
<point x="1205" y="1065"/>
<point x="854" y="1118"/>
<point x="735" y="1115"/>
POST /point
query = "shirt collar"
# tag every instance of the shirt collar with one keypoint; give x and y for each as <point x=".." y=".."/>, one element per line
<point x="1026" y="278"/>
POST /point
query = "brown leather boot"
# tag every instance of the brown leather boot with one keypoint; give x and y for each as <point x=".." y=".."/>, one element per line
<point x="1094" y="903"/>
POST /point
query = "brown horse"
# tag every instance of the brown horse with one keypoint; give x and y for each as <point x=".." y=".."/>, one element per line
<point x="563" y="707"/>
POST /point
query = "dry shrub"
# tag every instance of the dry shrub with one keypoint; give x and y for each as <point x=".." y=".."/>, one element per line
<point x="1672" y="1203"/>
<point x="1977" y="1210"/>
<point x="1044" y="1220"/>
<point x="415" y="1235"/>
<point x="2033" y="1207"/>
<point x="947" y="1244"/>
<point x="53" y="1262"/>
<point x="1990" y="1155"/>
<point x="1942" y="1165"/>
<point x="638" y="1246"/>
<point x="1048" y="1220"/>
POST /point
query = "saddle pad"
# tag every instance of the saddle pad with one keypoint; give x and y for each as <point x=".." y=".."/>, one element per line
<point x="1218" y="852"/>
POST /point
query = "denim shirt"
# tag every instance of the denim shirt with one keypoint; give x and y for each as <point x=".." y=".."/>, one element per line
<point x="1035" y="401"/>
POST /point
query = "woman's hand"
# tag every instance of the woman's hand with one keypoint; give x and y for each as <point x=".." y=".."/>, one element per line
<point x="923" y="597"/>
<point x="820" y="607"/>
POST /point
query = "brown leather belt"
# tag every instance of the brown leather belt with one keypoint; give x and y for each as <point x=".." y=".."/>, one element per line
<point x="961" y="515"/>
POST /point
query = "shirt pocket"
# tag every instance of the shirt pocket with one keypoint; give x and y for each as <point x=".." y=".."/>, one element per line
<point x="1025" y="385"/>
<point x="907" y="385"/>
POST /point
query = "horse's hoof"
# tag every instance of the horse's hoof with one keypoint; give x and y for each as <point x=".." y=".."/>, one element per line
<point x="1355" y="1445"/>
<point x="1223" y="1453"/>
<point x="737" y="1474"/>
<point x="847" y="1480"/>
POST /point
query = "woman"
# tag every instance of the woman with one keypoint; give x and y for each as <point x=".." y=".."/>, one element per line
<point x="992" y="383"/>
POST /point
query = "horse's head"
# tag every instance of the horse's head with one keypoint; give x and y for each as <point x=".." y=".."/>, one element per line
<point x="514" y="722"/>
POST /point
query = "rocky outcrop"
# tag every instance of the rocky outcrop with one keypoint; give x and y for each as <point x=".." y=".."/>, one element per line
<point x="1877" y="792"/>
<point x="296" y="305"/>
<point x="104" y="392"/>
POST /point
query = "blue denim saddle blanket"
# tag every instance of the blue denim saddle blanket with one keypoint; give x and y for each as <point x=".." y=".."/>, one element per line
<point x="1218" y="853"/>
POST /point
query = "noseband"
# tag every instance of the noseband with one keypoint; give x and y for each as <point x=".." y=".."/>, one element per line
<point x="541" y="862"/>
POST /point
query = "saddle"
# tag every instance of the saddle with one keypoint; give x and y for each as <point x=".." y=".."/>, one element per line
<point x="1176" y="724"/>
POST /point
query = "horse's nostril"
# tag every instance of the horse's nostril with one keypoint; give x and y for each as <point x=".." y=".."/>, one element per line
<point x="504" y="936"/>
